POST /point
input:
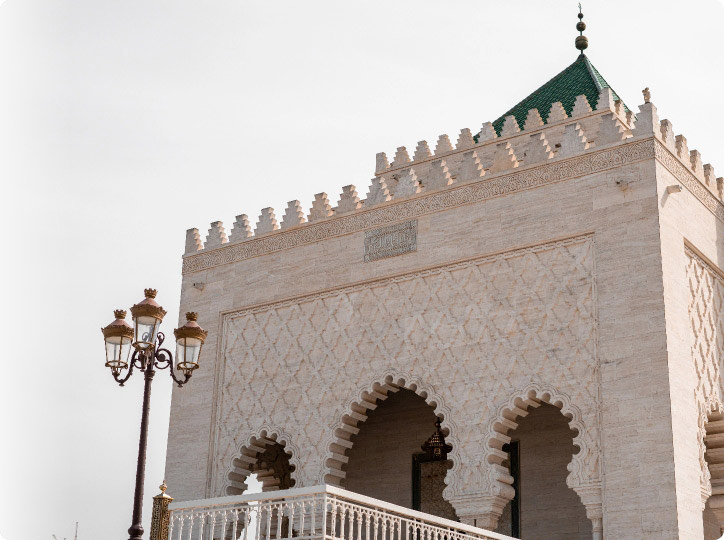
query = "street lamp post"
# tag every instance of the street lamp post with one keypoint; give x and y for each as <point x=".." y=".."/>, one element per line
<point x="146" y="340"/>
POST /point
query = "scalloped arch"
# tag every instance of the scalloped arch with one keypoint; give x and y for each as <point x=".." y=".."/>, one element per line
<point x="350" y="417"/>
<point x="248" y="453"/>
<point x="505" y="419"/>
<point x="709" y="412"/>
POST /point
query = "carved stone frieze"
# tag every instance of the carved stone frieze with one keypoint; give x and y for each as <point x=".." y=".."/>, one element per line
<point x="488" y="187"/>
<point x="691" y="182"/>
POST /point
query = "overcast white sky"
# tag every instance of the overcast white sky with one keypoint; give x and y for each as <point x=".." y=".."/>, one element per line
<point x="125" y="123"/>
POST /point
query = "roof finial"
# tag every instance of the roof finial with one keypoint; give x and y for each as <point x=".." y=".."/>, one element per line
<point x="581" y="41"/>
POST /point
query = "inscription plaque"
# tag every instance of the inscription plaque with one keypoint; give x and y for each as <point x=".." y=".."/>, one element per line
<point x="390" y="241"/>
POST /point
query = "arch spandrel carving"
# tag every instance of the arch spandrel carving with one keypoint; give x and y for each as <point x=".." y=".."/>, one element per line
<point x="299" y="362"/>
<point x="584" y="467"/>
<point x="493" y="478"/>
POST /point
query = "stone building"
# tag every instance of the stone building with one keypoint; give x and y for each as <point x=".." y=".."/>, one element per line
<point x="549" y="287"/>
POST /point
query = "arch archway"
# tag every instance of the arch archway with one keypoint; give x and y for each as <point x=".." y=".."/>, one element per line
<point x="270" y="455"/>
<point x="392" y="418"/>
<point x="582" y="450"/>
<point x="711" y="456"/>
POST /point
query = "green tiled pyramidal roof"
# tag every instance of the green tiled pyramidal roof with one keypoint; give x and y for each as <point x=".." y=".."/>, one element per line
<point x="578" y="78"/>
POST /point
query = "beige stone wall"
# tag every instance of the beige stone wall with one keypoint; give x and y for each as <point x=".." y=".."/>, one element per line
<point x="692" y="244"/>
<point x="580" y="319"/>
<point x="380" y="462"/>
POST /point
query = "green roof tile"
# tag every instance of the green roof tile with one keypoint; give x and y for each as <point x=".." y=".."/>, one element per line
<point x="578" y="78"/>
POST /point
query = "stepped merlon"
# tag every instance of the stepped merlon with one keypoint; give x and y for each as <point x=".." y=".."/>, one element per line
<point x="575" y="112"/>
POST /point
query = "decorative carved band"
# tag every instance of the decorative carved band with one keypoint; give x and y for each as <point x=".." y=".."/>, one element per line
<point x="487" y="188"/>
<point x="692" y="183"/>
<point x="423" y="272"/>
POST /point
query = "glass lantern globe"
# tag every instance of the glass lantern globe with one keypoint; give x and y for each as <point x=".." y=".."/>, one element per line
<point x="189" y="339"/>
<point x="118" y="337"/>
<point x="147" y="317"/>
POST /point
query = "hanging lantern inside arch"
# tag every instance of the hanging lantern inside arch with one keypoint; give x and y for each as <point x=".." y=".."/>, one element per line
<point x="436" y="447"/>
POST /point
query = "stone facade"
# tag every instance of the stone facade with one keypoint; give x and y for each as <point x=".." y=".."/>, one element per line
<point x="574" y="264"/>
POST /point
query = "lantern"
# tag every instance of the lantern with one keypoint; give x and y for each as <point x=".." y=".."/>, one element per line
<point x="118" y="337"/>
<point x="189" y="339"/>
<point x="147" y="317"/>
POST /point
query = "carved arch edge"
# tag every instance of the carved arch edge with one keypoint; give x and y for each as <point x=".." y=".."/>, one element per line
<point x="587" y="486"/>
<point x="398" y="379"/>
<point x="271" y="433"/>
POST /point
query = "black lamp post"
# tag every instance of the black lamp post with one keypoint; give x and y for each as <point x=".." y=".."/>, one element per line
<point x="146" y="340"/>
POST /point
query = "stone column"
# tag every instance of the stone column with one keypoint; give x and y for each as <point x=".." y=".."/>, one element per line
<point x="481" y="511"/>
<point x="592" y="498"/>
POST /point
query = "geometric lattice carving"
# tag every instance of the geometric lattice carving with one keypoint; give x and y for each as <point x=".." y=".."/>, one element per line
<point x="475" y="331"/>
<point x="706" y="317"/>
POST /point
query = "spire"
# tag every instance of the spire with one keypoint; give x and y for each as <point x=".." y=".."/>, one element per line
<point x="581" y="41"/>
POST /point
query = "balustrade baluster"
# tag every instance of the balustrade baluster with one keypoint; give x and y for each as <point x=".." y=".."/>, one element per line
<point x="235" y="516"/>
<point x="191" y="527"/>
<point x="343" y="522"/>
<point x="350" y="522"/>
<point x="201" y="525"/>
<point x="280" y="518"/>
<point x="259" y="517"/>
<point x="290" y="511"/>
<point x="313" y="517"/>
<point x="171" y="524"/>
<point x="212" y="527"/>
<point x="334" y="518"/>
<point x="223" y="525"/>
<point x="301" y="517"/>
<point x="269" y="510"/>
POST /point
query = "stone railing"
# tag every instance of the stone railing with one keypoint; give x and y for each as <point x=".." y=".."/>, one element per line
<point x="319" y="512"/>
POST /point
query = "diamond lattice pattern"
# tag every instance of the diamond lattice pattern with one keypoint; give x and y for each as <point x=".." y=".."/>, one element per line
<point x="475" y="331"/>
<point x="706" y="302"/>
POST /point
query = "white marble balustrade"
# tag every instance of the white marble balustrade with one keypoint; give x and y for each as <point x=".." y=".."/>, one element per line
<point x="318" y="512"/>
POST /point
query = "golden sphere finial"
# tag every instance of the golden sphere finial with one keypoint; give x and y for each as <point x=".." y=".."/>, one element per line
<point x="581" y="40"/>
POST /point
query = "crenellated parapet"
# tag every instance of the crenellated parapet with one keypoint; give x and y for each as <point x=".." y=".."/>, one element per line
<point x="542" y="139"/>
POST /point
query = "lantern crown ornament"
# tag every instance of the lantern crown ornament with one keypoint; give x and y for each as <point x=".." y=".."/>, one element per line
<point x="147" y="317"/>
<point x="189" y="339"/>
